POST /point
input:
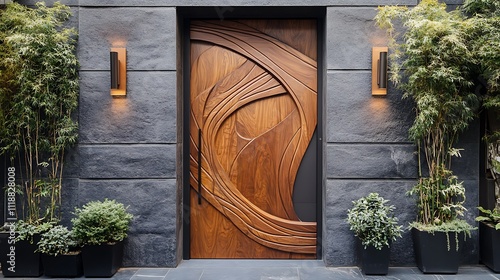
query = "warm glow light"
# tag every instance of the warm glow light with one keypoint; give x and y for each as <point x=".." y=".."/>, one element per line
<point x="379" y="70"/>
<point x="118" y="69"/>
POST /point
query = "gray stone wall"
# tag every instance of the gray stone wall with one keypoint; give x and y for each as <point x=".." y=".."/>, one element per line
<point x="129" y="148"/>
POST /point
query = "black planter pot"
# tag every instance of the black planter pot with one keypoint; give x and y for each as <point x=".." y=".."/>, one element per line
<point x="373" y="261"/>
<point x="102" y="260"/>
<point x="62" y="265"/>
<point x="19" y="259"/>
<point x="432" y="254"/>
<point x="489" y="246"/>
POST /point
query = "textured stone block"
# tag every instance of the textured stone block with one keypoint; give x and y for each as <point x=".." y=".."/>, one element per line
<point x="69" y="199"/>
<point x="340" y="242"/>
<point x="71" y="163"/>
<point x="150" y="250"/>
<point x="351" y="33"/>
<point x="149" y="34"/>
<point x="146" y="115"/>
<point x="370" y="161"/>
<point x="50" y="2"/>
<point x="127" y="161"/>
<point x="354" y="115"/>
<point x="228" y="3"/>
<point x="151" y="201"/>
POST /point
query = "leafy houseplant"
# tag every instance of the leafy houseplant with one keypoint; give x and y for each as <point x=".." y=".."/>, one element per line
<point x="484" y="17"/>
<point x="100" y="227"/>
<point x="38" y="94"/>
<point x="373" y="222"/>
<point x="61" y="256"/>
<point x="18" y="249"/>
<point x="489" y="241"/>
<point x="431" y="62"/>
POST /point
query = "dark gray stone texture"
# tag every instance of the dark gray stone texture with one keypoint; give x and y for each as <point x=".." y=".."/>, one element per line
<point x="229" y="3"/>
<point x="149" y="34"/>
<point x="150" y="250"/>
<point x="127" y="161"/>
<point x="351" y="34"/>
<point x="146" y="115"/>
<point x="370" y="161"/>
<point x="354" y="115"/>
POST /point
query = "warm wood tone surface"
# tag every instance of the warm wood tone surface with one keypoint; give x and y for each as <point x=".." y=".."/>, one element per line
<point x="254" y="96"/>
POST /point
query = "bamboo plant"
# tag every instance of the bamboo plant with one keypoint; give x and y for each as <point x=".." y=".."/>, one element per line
<point x="38" y="95"/>
<point x="430" y="63"/>
<point x="484" y="16"/>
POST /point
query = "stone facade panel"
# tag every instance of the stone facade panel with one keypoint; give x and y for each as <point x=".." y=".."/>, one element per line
<point x="149" y="34"/>
<point x="371" y="161"/>
<point x="146" y="115"/>
<point x="127" y="161"/>
<point x="354" y="115"/>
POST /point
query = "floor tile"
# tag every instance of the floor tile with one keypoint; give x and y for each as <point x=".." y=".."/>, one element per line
<point x="250" y="273"/>
<point x="192" y="273"/>
<point x="343" y="273"/>
<point x="160" y="272"/>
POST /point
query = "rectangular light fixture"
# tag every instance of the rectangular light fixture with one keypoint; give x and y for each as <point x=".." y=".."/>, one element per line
<point x="118" y="67"/>
<point x="379" y="70"/>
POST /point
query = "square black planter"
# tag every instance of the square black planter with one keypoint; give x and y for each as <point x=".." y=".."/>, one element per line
<point x="102" y="260"/>
<point x="62" y="265"/>
<point x="373" y="261"/>
<point x="432" y="254"/>
<point x="20" y="259"/>
<point x="489" y="246"/>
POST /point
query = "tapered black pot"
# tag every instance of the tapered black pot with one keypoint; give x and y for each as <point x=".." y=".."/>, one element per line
<point x="102" y="260"/>
<point x="19" y="259"/>
<point x="373" y="261"/>
<point x="489" y="246"/>
<point x="432" y="254"/>
<point x="62" y="265"/>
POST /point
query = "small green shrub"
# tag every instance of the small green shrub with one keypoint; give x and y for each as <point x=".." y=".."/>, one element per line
<point x="99" y="222"/>
<point x="373" y="221"/>
<point x="57" y="241"/>
<point x="26" y="231"/>
<point x="490" y="216"/>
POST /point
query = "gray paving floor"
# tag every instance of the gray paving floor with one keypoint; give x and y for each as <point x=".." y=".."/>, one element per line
<point x="283" y="270"/>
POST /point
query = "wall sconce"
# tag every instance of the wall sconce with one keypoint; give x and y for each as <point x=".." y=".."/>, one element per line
<point x="118" y="66"/>
<point x="379" y="70"/>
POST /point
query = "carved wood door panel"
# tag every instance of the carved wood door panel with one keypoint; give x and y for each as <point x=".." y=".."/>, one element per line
<point x="253" y="98"/>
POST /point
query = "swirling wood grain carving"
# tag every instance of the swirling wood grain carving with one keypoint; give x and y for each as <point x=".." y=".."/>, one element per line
<point x="254" y="97"/>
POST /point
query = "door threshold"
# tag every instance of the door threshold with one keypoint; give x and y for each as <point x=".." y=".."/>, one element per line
<point x="257" y="263"/>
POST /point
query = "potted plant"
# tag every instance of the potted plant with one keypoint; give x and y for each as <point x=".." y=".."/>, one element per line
<point x="373" y="222"/>
<point x="489" y="243"/>
<point x="100" y="228"/>
<point x="61" y="256"/>
<point x="38" y="94"/>
<point x="431" y="62"/>
<point x="484" y="17"/>
<point x="18" y="246"/>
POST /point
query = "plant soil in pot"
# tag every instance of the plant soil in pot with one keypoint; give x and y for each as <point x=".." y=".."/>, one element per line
<point x="437" y="252"/>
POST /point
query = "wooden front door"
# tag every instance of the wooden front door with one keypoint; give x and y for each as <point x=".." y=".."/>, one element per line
<point x="253" y="98"/>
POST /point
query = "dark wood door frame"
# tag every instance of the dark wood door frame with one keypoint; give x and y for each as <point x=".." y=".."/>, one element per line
<point x="184" y="16"/>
